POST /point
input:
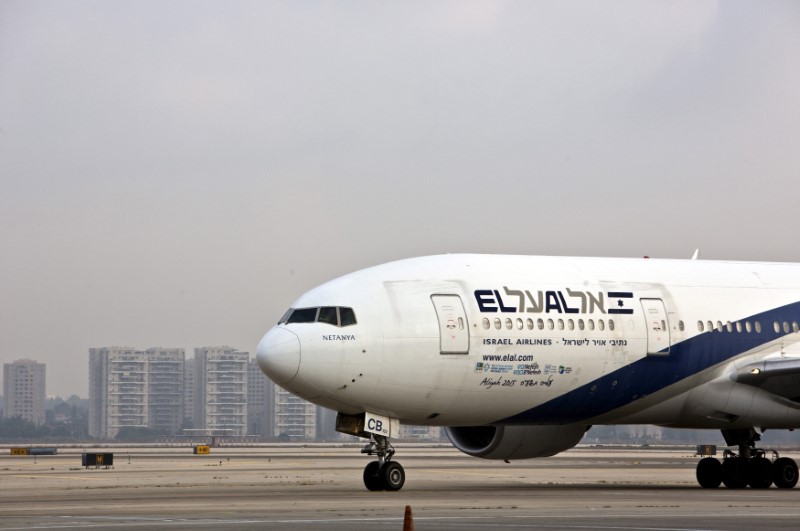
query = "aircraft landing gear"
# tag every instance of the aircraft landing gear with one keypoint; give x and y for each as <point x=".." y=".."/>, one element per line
<point x="750" y="467"/>
<point x="383" y="474"/>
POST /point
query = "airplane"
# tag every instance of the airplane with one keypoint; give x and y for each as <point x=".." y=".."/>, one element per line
<point x="518" y="356"/>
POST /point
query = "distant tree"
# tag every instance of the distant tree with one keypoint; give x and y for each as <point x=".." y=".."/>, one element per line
<point x="52" y="401"/>
<point x="17" y="427"/>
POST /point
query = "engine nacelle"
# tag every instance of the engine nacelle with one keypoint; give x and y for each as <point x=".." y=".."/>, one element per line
<point x="515" y="442"/>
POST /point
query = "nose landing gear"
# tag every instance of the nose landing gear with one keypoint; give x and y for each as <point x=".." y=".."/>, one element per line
<point x="750" y="467"/>
<point x="383" y="474"/>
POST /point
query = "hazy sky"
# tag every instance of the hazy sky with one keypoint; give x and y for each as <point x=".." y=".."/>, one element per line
<point x="177" y="173"/>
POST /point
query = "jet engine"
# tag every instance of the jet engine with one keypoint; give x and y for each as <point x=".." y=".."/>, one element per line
<point x="515" y="442"/>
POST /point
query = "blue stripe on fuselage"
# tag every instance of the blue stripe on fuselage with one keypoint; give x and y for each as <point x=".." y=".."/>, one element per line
<point x="653" y="373"/>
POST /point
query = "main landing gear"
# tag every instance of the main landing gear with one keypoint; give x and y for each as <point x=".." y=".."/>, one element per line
<point x="383" y="474"/>
<point x="749" y="467"/>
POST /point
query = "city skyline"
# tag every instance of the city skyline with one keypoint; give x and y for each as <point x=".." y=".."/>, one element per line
<point x="84" y="393"/>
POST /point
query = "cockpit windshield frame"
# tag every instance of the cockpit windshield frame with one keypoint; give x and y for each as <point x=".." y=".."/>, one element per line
<point x="339" y="316"/>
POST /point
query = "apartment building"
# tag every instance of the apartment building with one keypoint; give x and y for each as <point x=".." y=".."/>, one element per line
<point x="260" y="401"/>
<point x="134" y="388"/>
<point x="220" y="390"/>
<point x="24" y="390"/>
<point x="295" y="419"/>
<point x="188" y="391"/>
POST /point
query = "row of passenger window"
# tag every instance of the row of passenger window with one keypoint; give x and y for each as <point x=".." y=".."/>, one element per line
<point x="335" y="315"/>
<point x="747" y="327"/>
<point x="560" y="324"/>
<point x="589" y="324"/>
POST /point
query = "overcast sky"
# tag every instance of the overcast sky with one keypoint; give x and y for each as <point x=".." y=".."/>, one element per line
<point x="177" y="173"/>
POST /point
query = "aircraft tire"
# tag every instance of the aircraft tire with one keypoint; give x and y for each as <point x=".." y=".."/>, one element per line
<point x="373" y="479"/>
<point x="784" y="473"/>
<point x="759" y="473"/>
<point x="734" y="473"/>
<point x="709" y="473"/>
<point x="393" y="475"/>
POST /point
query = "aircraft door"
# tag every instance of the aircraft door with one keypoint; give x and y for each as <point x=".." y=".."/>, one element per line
<point x="655" y="318"/>
<point x="453" y="326"/>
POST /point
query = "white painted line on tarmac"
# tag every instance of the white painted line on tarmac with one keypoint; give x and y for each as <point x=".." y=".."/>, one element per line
<point x="135" y="521"/>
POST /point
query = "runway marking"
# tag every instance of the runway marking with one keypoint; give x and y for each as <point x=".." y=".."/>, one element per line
<point x="436" y="472"/>
<point x="31" y="476"/>
<point x="134" y="521"/>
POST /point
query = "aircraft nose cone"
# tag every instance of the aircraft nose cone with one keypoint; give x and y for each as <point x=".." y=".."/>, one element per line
<point x="278" y="355"/>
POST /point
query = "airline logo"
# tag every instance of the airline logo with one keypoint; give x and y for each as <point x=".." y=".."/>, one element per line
<point x="555" y="301"/>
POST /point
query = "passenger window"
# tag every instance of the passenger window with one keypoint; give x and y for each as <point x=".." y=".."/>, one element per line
<point x="795" y="327"/>
<point x="519" y="324"/>
<point x="571" y="324"/>
<point x="729" y="326"/>
<point x="561" y="324"/>
<point x="347" y="317"/>
<point x="497" y="324"/>
<point x="681" y="326"/>
<point x="699" y="326"/>
<point x="776" y="326"/>
<point x="719" y="326"/>
<point x="550" y="324"/>
<point x="303" y="315"/>
<point x="601" y="325"/>
<point x="611" y="324"/>
<point x="327" y="314"/>
<point x="581" y="326"/>
<point x="738" y="327"/>
<point x="540" y="324"/>
<point x="530" y="324"/>
<point x="758" y="327"/>
<point x="509" y="323"/>
<point x="785" y="327"/>
<point x="590" y="322"/>
<point x="486" y="323"/>
<point x="748" y="326"/>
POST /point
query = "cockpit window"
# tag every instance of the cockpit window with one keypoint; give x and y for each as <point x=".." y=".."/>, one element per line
<point x="347" y="316"/>
<point x="336" y="316"/>
<point x="327" y="314"/>
<point x="303" y="315"/>
<point x="286" y="316"/>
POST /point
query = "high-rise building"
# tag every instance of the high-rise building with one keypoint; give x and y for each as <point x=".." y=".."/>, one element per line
<point x="188" y="392"/>
<point x="137" y="389"/>
<point x="24" y="390"/>
<point x="220" y="390"/>
<point x="295" y="419"/>
<point x="260" y="401"/>
<point x="165" y="389"/>
<point x="117" y="390"/>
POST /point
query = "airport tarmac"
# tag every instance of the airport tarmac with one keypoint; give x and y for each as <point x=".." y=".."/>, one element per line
<point x="321" y="488"/>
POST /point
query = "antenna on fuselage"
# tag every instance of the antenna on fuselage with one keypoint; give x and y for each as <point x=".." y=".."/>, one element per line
<point x="696" y="254"/>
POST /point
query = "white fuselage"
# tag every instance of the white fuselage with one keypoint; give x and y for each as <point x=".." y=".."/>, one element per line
<point x="467" y="340"/>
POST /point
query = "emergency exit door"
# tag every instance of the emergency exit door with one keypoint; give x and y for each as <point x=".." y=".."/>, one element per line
<point x="453" y="328"/>
<point x="655" y="318"/>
